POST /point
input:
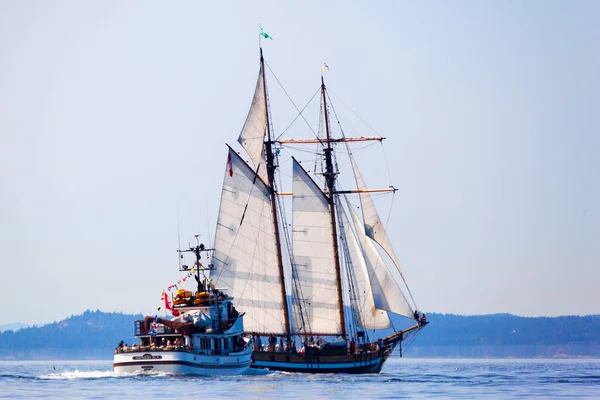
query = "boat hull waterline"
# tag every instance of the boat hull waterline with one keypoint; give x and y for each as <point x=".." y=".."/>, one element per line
<point x="356" y="364"/>
<point x="183" y="363"/>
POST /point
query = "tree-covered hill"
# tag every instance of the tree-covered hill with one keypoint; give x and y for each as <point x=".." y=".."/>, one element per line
<point x="505" y="335"/>
<point x="94" y="334"/>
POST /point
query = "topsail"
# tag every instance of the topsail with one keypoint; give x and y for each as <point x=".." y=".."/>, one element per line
<point x="252" y="136"/>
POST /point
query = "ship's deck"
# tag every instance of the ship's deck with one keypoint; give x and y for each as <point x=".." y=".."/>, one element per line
<point x="142" y="349"/>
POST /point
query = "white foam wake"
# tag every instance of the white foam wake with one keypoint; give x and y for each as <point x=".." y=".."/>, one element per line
<point x="76" y="374"/>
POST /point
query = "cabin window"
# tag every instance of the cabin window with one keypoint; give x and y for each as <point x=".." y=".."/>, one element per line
<point x="226" y="343"/>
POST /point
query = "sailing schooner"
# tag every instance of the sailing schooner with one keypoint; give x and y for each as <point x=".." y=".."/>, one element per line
<point x="322" y="290"/>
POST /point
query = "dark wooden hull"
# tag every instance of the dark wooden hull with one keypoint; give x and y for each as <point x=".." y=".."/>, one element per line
<point x="366" y="363"/>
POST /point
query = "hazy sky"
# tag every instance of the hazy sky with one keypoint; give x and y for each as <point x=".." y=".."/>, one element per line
<point x="114" y="116"/>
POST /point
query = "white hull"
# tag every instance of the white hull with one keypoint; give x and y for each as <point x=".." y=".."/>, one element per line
<point x="183" y="363"/>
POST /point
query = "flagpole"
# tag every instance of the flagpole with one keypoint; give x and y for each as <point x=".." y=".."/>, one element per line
<point x="259" y="35"/>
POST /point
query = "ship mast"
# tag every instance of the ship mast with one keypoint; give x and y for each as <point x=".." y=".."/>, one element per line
<point x="271" y="177"/>
<point x="330" y="181"/>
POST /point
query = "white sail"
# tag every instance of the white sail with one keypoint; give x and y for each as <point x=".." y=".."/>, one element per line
<point x="312" y="247"/>
<point x="372" y="318"/>
<point x="245" y="257"/>
<point x="252" y="137"/>
<point x="373" y="226"/>
<point x="387" y="294"/>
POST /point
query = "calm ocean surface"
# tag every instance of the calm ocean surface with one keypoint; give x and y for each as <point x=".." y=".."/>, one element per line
<point x="413" y="378"/>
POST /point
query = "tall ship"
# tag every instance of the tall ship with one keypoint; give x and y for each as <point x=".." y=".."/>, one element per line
<point x="318" y="284"/>
<point x="205" y="336"/>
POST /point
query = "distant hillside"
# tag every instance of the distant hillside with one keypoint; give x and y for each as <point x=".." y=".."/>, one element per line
<point x="505" y="335"/>
<point x="94" y="335"/>
<point x="15" y="326"/>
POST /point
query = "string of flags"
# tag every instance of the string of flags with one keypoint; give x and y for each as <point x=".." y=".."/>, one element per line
<point x="179" y="282"/>
<point x="165" y="298"/>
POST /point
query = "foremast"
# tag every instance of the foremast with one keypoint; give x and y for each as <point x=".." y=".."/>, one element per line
<point x="268" y="146"/>
<point x="330" y="175"/>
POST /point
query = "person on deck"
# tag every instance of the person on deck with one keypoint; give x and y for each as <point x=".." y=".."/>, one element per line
<point x="352" y="346"/>
<point x="258" y="343"/>
<point x="272" y="342"/>
<point x="280" y="349"/>
<point x="423" y="320"/>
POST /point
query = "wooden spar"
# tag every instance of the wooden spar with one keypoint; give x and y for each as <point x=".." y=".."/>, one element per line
<point x="399" y="336"/>
<point x="271" y="177"/>
<point x="339" y="140"/>
<point x="330" y="178"/>
<point x="392" y="189"/>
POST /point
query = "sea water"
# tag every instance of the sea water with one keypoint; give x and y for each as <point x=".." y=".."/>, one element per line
<point x="400" y="378"/>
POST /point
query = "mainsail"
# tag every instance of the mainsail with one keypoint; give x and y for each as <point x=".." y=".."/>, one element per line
<point x="252" y="136"/>
<point x="245" y="249"/>
<point x="313" y="256"/>
<point x="387" y="295"/>
<point x="371" y="317"/>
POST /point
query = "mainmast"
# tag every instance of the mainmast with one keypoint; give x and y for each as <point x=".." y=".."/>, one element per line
<point x="330" y="181"/>
<point x="271" y="177"/>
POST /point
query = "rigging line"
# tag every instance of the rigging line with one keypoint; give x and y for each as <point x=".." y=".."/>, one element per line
<point x="387" y="167"/>
<point x="300" y="149"/>
<point x="355" y="113"/>
<point x="179" y="237"/>
<point x="208" y="223"/>
<point x="356" y="148"/>
<point x="299" y="115"/>
<point x="336" y="116"/>
<point x="411" y="340"/>
<point x="292" y="101"/>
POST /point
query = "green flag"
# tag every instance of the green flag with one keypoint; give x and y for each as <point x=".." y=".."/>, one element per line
<point x="265" y="34"/>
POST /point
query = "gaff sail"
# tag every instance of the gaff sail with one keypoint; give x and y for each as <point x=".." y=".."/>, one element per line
<point x="313" y="255"/>
<point x="245" y="249"/>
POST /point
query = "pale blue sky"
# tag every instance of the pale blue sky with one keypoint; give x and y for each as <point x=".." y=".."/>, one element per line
<point x="115" y="114"/>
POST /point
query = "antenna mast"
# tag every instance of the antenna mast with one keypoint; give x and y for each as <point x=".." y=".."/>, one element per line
<point x="330" y="180"/>
<point x="271" y="176"/>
